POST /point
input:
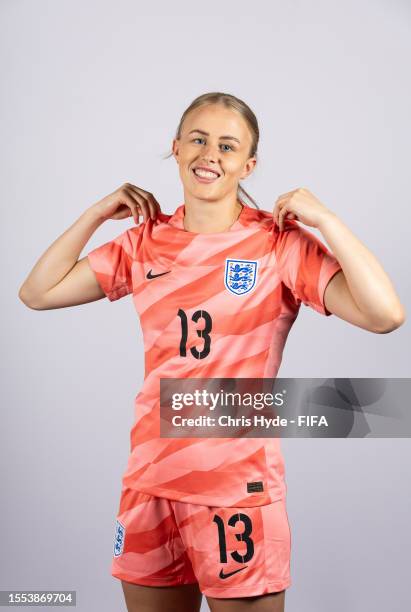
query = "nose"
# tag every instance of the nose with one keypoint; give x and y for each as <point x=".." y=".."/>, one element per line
<point x="211" y="153"/>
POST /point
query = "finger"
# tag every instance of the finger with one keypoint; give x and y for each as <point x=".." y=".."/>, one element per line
<point x="127" y="200"/>
<point x="151" y="202"/>
<point x="286" y="195"/>
<point x="289" y="215"/>
<point x="277" y="209"/>
<point x="140" y="202"/>
<point x="275" y="213"/>
<point x="282" y="214"/>
<point x="148" y="204"/>
<point x="134" y="210"/>
<point x="155" y="206"/>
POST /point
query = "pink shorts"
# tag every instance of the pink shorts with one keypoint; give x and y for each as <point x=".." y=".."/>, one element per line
<point x="229" y="552"/>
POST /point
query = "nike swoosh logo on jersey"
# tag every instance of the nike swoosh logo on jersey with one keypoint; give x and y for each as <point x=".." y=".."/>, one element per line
<point x="149" y="275"/>
<point x="222" y="575"/>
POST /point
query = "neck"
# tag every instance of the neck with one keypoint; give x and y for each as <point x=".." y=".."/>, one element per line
<point x="210" y="217"/>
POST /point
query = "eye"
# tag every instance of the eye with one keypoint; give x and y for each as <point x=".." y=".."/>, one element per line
<point x="223" y="145"/>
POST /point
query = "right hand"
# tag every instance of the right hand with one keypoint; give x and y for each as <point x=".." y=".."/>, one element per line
<point x="128" y="201"/>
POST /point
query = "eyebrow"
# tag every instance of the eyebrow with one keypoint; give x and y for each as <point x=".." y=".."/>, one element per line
<point x="207" y="134"/>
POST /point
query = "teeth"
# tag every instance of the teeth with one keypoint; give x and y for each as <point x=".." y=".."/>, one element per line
<point x="205" y="173"/>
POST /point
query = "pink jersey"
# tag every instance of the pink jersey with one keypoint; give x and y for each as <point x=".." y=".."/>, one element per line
<point x="246" y="284"/>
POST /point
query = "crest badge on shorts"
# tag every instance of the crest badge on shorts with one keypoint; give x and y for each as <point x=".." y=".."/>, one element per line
<point x="119" y="539"/>
<point x="240" y="275"/>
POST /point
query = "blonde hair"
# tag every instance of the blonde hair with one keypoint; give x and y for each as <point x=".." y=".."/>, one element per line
<point x="228" y="101"/>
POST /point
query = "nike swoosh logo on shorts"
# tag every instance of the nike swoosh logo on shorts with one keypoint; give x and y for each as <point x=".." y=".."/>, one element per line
<point x="149" y="275"/>
<point x="222" y="575"/>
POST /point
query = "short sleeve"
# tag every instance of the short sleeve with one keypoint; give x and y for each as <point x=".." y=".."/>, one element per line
<point x="305" y="265"/>
<point x="112" y="263"/>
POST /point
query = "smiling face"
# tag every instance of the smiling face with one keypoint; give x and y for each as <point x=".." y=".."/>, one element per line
<point x="217" y="138"/>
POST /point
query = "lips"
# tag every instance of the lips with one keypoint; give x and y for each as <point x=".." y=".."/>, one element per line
<point x="205" y="179"/>
<point x="206" y="169"/>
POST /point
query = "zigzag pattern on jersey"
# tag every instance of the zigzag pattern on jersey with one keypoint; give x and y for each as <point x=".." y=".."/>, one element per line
<point x="246" y="340"/>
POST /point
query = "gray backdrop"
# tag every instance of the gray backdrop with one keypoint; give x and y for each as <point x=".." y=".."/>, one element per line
<point x="92" y="94"/>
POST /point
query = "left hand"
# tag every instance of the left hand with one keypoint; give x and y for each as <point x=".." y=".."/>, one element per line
<point x="299" y="204"/>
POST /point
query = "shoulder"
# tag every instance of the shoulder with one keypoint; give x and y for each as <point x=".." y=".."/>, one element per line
<point x="163" y="217"/>
<point x="265" y="221"/>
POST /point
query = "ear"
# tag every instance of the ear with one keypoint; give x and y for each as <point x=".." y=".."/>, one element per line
<point x="249" y="167"/>
<point x="175" y="147"/>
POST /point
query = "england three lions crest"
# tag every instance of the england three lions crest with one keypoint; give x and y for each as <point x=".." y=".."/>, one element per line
<point x="119" y="539"/>
<point x="240" y="275"/>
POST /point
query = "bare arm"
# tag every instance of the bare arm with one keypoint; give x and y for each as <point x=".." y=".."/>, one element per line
<point x="361" y="293"/>
<point x="59" y="279"/>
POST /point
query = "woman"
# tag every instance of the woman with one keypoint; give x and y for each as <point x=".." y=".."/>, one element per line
<point x="217" y="286"/>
